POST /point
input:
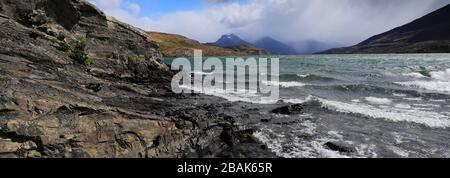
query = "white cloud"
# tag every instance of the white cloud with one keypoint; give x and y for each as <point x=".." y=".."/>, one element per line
<point x="135" y="8"/>
<point x="343" y="21"/>
<point x="108" y="3"/>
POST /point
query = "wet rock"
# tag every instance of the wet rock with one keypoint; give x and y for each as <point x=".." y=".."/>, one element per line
<point x="38" y="17"/>
<point x="8" y="146"/>
<point x="7" y="113"/>
<point x="265" y="120"/>
<point x="248" y="150"/>
<point x="340" y="147"/>
<point x="247" y="147"/>
<point x="96" y="87"/>
<point x="289" y="110"/>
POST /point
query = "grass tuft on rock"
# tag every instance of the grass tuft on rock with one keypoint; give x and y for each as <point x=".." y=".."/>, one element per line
<point x="63" y="46"/>
<point x="77" y="54"/>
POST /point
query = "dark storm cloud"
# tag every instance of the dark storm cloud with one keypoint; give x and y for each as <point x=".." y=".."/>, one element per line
<point x="342" y="21"/>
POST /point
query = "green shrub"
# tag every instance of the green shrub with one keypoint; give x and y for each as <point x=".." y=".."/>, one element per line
<point x="77" y="54"/>
<point x="88" y="62"/>
<point x="80" y="56"/>
<point x="63" y="46"/>
<point x="81" y="45"/>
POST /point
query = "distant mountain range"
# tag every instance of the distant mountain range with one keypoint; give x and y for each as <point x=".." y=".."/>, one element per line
<point x="269" y="44"/>
<point x="276" y="47"/>
<point x="428" y="34"/>
<point x="172" y="45"/>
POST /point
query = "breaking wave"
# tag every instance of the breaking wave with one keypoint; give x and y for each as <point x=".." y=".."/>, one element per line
<point x="284" y="84"/>
<point x="247" y="96"/>
<point x="306" y="78"/>
<point x="401" y="113"/>
<point x="287" y="146"/>
<point x="438" y="81"/>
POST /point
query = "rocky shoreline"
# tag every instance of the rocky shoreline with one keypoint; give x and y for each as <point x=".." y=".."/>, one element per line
<point x="75" y="83"/>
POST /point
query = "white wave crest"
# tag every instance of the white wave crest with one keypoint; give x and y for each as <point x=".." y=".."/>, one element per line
<point x="439" y="81"/>
<point x="441" y="75"/>
<point x="398" y="113"/>
<point x="294" y="147"/>
<point x="247" y="96"/>
<point x="427" y="118"/>
<point x="403" y="106"/>
<point x="303" y="76"/>
<point x="202" y="73"/>
<point x="428" y="85"/>
<point x="284" y="84"/>
<point x="415" y="75"/>
<point x="379" y="101"/>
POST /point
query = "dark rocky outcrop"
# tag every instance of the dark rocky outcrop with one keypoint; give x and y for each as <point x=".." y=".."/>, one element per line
<point x="340" y="147"/>
<point x="289" y="110"/>
<point x="76" y="83"/>
<point x="428" y="34"/>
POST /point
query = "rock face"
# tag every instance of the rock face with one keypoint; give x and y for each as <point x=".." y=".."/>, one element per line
<point x="76" y="83"/>
<point x="340" y="147"/>
<point x="428" y="34"/>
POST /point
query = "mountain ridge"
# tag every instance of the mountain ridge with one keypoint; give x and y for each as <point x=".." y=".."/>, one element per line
<point x="275" y="46"/>
<point x="267" y="43"/>
<point x="427" y="34"/>
<point x="229" y="40"/>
